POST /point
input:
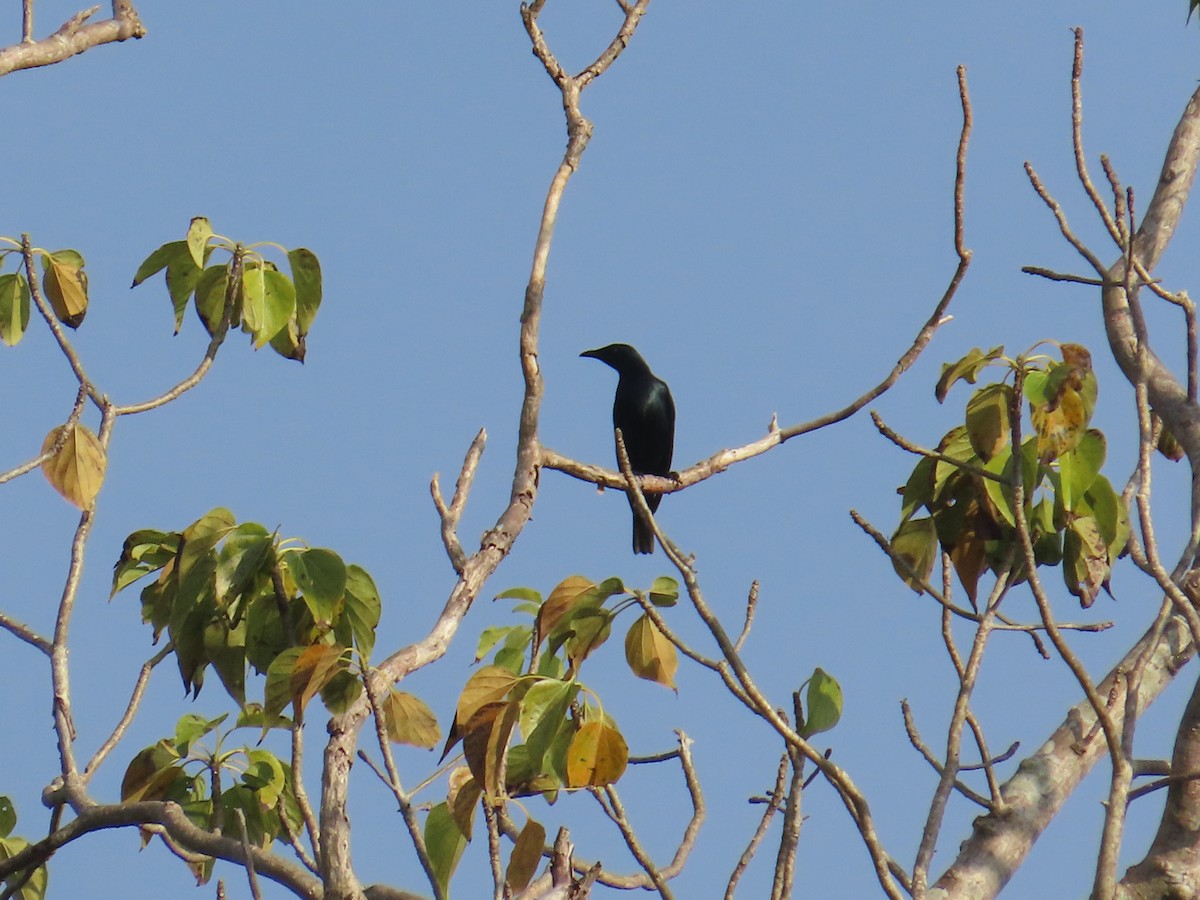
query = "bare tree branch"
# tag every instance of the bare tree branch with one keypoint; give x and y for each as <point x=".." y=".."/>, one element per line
<point x="72" y="38"/>
<point x="172" y="818"/>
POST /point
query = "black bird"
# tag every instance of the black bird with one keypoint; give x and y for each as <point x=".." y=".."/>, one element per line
<point x="645" y="413"/>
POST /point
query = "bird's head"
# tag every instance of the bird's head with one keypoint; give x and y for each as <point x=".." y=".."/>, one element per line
<point x="621" y="357"/>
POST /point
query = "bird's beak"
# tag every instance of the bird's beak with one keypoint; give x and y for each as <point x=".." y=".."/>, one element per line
<point x="590" y="353"/>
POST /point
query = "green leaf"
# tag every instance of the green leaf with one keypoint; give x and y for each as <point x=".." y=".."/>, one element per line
<point x="918" y="490"/>
<point x="288" y="342"/>
<point x="197" y="564"/>
<point x="252" y="715"/>
<point x="34" y="887"/>
<point x="491" y="637"/>
<point x="8" y="817"/>
<point x="183" y="276"/>
<point x="265" y="776"/>
<point x="987" y="419"/>
<point x="210" y="299"/>
<point x="306" y="276"/>
<point x="520" y="593"/>
<point x="198" y="233"/>
<point x="321" y="576"/>
<point x="245" y="560"/>
<point x="159" y="260"/>
<point x="363" y="608"/>
<point x="241" y="797"/>
<point x="143" y="552"/>
<point x="1111" y="515"/>
<point x="191" y="727"/>
<point x="1001" y="495"/>
<point x="342" y="690"/>
<point x="915" y="543"/>
<point x="225" y="648"/>
<point x="824" y="703"/>
<point x="14" y="307"/>
<point x="664" y="591"/>
<point x="278" y="691"/>
<point x="445" y="844"/>
<point x="1080" y="466"/>
<point x="955" y="444"/>
<point x="966" y="369"/>
<point x="269" y="301"/>
<point x="543" y="714"/>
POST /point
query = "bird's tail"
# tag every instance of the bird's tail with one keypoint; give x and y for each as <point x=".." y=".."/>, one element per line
<point x="643" y="535"/>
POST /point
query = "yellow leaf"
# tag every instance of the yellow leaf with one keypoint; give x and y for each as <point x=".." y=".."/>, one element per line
<point x="66" y="286"/>
<point x="526" y="856"/>
<point x="199" y="231"/>
<point x="1059" y="428"/>
<point x="597" y="756"/>
<point x="489" y="685"/>
<point x="314" y="668"/>
<point x="410" y="721"/>
<point x="649" y="654"/>
<point x="77" y="470"/>
<point x="560" y="602"/>
<point x="462" y="799"/>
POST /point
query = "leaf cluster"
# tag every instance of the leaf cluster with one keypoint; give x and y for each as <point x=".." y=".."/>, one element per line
<point x="64" y="284"/>
<point x="246" y="290"/>
<point x="185" y="770"/>
<point x="232" y="596"/>
<point x="524" y="722"/>
<point x="967" y="492"/>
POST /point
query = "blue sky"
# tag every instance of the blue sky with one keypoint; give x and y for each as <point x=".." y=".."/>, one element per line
<point x="764" y="211"/>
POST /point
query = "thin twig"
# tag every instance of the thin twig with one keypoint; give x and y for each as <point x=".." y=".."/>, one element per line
<point x="25" y="633"/>
<point x="233" y="289"/>
<point x="1106" y="217"/>
<point x="302" y="802"/>
<point x="914" y="738"/>
<point x="135" y="700"/>
<point x="493" y="833"/>
<point x="451" y="514"/>
<point x="773" y="804"/>
<point x="615" y="810"/>
<point x="1063" y="226"/>
<point x="251" y="875"/>
<point x="1051" y="275"/>
<point x="403" y="800"/>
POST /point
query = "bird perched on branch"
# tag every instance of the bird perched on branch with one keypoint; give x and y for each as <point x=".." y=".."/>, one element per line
<point x="645" y="412"/>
